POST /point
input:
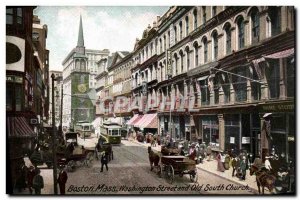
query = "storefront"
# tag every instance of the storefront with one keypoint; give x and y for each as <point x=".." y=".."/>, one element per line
<point x="282" y="127"/>
<point x="210" y="130"/>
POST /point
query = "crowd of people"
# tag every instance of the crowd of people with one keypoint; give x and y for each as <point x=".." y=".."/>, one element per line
<point x="30" y="178"/>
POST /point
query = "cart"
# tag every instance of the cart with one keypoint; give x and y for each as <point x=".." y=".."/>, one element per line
<point x="181" y="165"/>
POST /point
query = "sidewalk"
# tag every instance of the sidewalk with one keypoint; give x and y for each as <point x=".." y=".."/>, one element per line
<point x="211" y="167"/>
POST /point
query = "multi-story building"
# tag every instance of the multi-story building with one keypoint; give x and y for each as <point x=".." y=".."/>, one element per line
<point x="101" y="80"/>
<point x="121" y="88"/>
<point x="114" y="88"/>
<point x="219" y="70"/>
<point x="39" y="37"/>
<point x="58" y="86"/>
<point x="93" y="57"/>
<point x="26" y="85"/>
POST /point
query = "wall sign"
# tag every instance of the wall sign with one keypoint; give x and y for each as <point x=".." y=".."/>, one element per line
<point x="245" y="140"/>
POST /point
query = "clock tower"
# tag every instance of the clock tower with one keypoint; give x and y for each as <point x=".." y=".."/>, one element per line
<point x="82" y="108"/>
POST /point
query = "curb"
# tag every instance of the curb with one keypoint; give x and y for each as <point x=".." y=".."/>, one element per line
<point x="253" y="189"/>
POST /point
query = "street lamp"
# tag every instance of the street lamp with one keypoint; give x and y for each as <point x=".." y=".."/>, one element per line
<point x="54" y="138"/>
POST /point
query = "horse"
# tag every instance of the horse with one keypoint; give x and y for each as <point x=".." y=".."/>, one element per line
<point x="153" y="158"/>
<point x="263" y="178"/>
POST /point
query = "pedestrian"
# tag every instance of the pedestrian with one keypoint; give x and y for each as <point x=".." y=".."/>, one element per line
<point x="62" y="180"/>
<point x="243" y="168"/>
<point x="235" y="164"/>
<point x="21" y="176"/>
<point x="104" y="160"/>
<point x="30" y="176"/>
<point x="192" y="152"/>
<point x="220" y="166"/>
<point x="267" y="163"/>
<point x="208" y="152"/>
<point x="38" y="182"/>
<point x="226" y="161"/>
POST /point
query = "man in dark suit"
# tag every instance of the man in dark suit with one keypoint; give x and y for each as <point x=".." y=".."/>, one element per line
<point x="104" y="161"/>
<point x="62" y="180"/>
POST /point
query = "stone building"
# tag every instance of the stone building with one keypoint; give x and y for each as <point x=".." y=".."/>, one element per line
<point x="27" y="85"/>
<point x="212" y="72"/>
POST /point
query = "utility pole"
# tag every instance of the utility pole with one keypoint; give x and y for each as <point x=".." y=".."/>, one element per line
<point x="61" y="109"/>
<point x="54" y="138"/>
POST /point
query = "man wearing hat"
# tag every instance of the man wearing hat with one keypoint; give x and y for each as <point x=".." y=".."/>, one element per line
<point x="30" y="175"/>
<point x="192" y="152"/>
<point x="266" y="137"/>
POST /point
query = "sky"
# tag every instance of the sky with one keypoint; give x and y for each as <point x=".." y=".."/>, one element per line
<point x="104" y="27"/>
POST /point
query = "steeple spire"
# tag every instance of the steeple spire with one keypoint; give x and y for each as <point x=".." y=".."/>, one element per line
<point x="80" y="42"/>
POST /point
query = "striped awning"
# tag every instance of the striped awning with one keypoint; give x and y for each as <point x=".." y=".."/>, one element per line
<point x="147" y="121"/>
<point x="18" y="127"/>
<point x="134" y="119"/>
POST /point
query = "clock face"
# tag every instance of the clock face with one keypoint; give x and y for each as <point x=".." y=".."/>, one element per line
<point x="81" y="88"/>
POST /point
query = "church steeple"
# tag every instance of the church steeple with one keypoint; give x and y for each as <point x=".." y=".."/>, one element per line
<point x="80" y="41"/>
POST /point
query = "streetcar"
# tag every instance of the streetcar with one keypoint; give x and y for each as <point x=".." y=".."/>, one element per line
<point x="84" y="129"/>
<point x="112" y="132"/>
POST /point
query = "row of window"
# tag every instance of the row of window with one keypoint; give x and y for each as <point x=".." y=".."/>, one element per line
<point x="180" y="67"/>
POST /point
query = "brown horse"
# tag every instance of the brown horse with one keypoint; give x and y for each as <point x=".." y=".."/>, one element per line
<point x="153" y="158"/>
<point x="263" y="178"/>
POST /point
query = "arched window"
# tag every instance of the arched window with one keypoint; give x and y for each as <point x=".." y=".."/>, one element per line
<point x="180" y="30"/>
<point x="255" y="25"/>
<point x="186" y="26"/>
<point x="160" y="44"/>
<point x="181" y="61"/>
<point x="176" y="64"/>
<point x="175" y="34"/>
<point x="241" y="32"/>
<point x="203" y="14"/>
<point x="187" y="51"/>
<point x="196" y="50"/>
<point x="215" y="44"/>
<point x="169" y="38"/>
<point x="274" y="14"/>
<point x="214" y="11"/>
<point x="228" y="38"/>
<point x="165" y="42"/>
<point x="195" y="19"/>
<point x="205" y="49"/>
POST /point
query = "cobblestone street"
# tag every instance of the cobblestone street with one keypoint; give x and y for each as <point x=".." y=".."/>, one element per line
<point x="130" y="170"/>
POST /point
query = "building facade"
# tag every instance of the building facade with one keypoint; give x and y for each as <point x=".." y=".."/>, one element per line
<point x="212" y="72"/>
<point x="27" y="84"/>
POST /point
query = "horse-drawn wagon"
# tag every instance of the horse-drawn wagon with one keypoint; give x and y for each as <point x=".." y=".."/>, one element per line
<point x="181" y="165"/>
<point x="170" y="163"/>
<point x="68" y="153"/>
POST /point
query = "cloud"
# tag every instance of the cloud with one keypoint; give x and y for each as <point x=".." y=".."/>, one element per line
<point x="113" y="28"/>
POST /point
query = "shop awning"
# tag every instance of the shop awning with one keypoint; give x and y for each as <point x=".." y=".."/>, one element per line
<point x="18" y="127"/>
<point x="147" y="121"/>
<point x="202" y="78"/>
<point x="134" y="119"/>
<point x="130" y="122"/>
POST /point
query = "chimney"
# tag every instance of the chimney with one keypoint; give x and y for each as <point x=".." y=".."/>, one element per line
<point x="154" y="24"/>
<point x="158" y="18"/>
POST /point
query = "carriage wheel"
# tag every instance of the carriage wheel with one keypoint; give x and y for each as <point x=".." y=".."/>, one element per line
<point x="89" y="159"/>
<point x="193" y="176"/>
<point x="71" y="166"/>
<point x="160" y="172"/>
<point x="112" y="155"/>
<point x="170" y="174"/>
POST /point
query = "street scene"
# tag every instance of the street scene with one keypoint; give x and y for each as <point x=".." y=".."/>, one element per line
<point x="150" y="100"/>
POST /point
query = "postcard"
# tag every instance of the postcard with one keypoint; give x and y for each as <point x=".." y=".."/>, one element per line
<point x="150" y="100"/>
